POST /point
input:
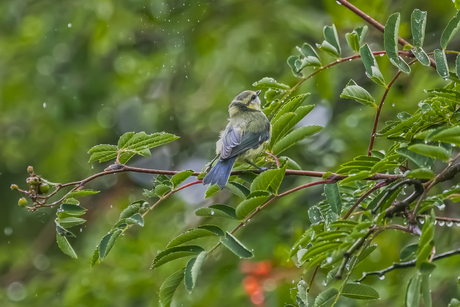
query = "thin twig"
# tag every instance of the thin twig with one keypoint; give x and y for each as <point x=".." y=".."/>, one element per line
<point x="376" y="187"/>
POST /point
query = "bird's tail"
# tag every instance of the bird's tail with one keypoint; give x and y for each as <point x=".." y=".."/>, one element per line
<point x="220" y="173"/>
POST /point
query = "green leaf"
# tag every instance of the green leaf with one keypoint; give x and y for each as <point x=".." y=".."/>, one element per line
<point x="413" y="292"/>
<point x="196" y="233"/>
<point x="418" y="24"/>
<point x="457" y="65"/>
<point x="65" y="246"/>
<point x="441" y="63"/>
<point x="330" y="35"/>
<point x="450" y="30"/>
<point x="70" y="221"/>
<point x="354" y="177"/>
<point x="236" y="246"/>
<point x="427" y="268"/>
<point x="353" y="40"/>
<point x="420" y="160"/>
<point x="268" y="181"/>
<point x="329" y="49"/>
<point x="315" y="215"/>
<point x="135" y="219"/>
<point x="318" y="249"/>
<point x="174" y="253"/>
<point x="356" y="92"/>
<point x="430" y="151"/>
<point x="181" y="177"/>
<point x="367" y="252"/>
<point x="333" y="197"/>
<point x="391" y="43"/>
<point x="133" y="208"/>
<point x="286" y="122"/>
<point x="421" y="56"/>
<point x="71" y="210"/>
<point x="162" y="190"/>
<point x="408" y="252"/>
<point x="192" y="270"/>
<point x="309" y="61"/>
<point x="449" y="135"/>
<point x="371" y="66"/>
<point x="238" y="189"/>
<point x="360" y="292"/>
<point x="103" y="153"/>
<point x="80" y="193"/>
<point x="324" y="297"/>
<point x="309" y="52"/>
<point x="248" y="205"/>
<point x="425" y="290"/>
<point x="124" y="139"/>
<point x="291" y="164"/>
<point x="169" y="286"/>
<point x="454" y="303"/>
<point x="295" y="136"/>
<point x="291" y="62"/>
<point x="217" y="211"/>
<point x="212" y="189"/>
<point x="302" y="294"/>
<point x="421" y="173"/>
<point x="290" y="106"/>
<point x="266" y="83"/>
<point x="107" y="243"/>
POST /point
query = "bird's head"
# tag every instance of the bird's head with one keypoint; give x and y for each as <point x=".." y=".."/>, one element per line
<point x="247" y="101"/>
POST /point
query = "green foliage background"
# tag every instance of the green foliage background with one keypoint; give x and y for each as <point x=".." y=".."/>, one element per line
<point x="76" y="74"/>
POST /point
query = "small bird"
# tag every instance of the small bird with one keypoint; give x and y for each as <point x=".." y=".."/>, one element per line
<point x="244" y="138"/>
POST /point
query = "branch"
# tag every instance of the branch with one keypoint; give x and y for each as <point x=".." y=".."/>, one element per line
<point x="407" y="264"/>
<point x="377" y="186"/>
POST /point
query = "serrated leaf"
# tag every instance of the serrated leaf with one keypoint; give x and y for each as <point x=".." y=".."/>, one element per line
<point x="360" y="292"/>
<point x="266" y="83"/>
<point x="418" y="24"/>
<point x="174" y="253"/>
<point x="107" y="243"/>
<point x="103" y="153"/>
<point x="413" y="292"/>
<point x="430" y="151"/>
<point x="65" y="246"/>
<point x="81" y="193"/>
<point x="421" y="173"/>
<point x="269" y="180"/>
<point x="290" y="106"/>
<point x="356" y="92"/>
<point x="420" y="160"/>
<point x="441" y="63"/>
<point x="287" y="121"/>
<point x="324" y="297"/>
<point x="217" y="211"/>
<point x="421" y="56"/>
<point x="196" y="233"/>
<point x="449" y="135"/>
<point x="248" y="205"/>
<point x="181" y="177"/>
<point x="354" y="177"/>
<point x="192" y="270"/>
<point x="169" y="286"/>
<point x="333" y="197"/>
<point x="295" y="136"/>
<point x="70" y="221"/>
<point x="450" y="30"/>
<point x="71" y="210"/>
<point x="135" y="219"/>
<point x="320" y="248"/>
<point x="236" y="246"/>
<point x="238" y="189"/>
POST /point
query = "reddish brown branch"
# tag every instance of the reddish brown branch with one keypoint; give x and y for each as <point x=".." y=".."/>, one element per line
<point x="377" y="186"/>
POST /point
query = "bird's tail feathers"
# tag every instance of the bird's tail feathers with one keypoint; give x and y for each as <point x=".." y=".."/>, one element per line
<point x="220" y="173"/>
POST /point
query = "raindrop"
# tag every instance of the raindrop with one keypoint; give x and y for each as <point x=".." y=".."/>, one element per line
<point x="441" y="223"/>
<point x="449" y="224"/>
<point x="69" y="25"/>
<point x="382" y="277"/>
<point x="44" y="104"/>
<point x="338" y="2"/>
<point x="212" y="212"/>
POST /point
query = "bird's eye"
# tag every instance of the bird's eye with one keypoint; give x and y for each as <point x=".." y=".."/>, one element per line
<point x="253" y="97"/>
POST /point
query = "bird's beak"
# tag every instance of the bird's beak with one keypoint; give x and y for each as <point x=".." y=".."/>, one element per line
<point x="258" y="92"/>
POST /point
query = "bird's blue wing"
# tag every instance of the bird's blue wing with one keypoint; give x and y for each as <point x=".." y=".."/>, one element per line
<point x="235" y="143"/>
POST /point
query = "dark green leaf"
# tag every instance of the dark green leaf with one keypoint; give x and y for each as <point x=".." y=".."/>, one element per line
<point x="391" y="43"/>
<point x="248" y="205"/>
<point x="174" y="253"/>
<point x="266" y="83"/>
<point x="107" y="243"/>
<point x="420" y="160"/>
<point x="367" y="252"/>
<point x="181" y="177"/>
<point x="427" y="268"/>
<point x="65" y="246"/>
<point x="133" y="208"/>
<point x="217" y="211"/>
<point x="236" y="246"/>
<point x="360" y="292"/>
<point x="192" y="270"/>
<point x="408" y="252"/>
<point x="330" y="35"/>
<point x="324" y="297"/>
<point x="238" y="189"/>
<point x="135" y="219"/>
<point x="333" y="197"/>
<point x="268" y="181"/>
<point x="356" y="92"/>
<point x="421" y="56"/>
<point x="425" y="290"/>
<point x="294" y="137"/>
<point x="70" y="221"/>
<point x="457" y="65"/>
<point x="418" y="24"/>
<point x="413" y="292"/>
<point x="434" y="152"/>
<point x="441" y="63"/>
<point x="315" y="215"/>
<point x="450" y="30"/>
<point x="371" y="66"/>
<point x="169" y="286"/>
<point x="195" y="233"/>
<point x="71" y="210"/>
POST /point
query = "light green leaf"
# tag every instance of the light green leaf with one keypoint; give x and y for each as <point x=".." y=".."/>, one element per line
<point x="449" y="135"/>
<point x="212" y="189"/>
<point x="133" y="208"/>
<point x="292" y="60"/>
<point x="162" y="190"/>
<point x="441" y="63"/>
<point x="420" y="160"/>
<point x="236" y="246"/>
<point x="421" y="173"/>
<point x="332" y="38"/>
<point x="371" y="66"/>
<point x="238" y="189"/>
<point x="290" y="106"/>
<point x="353" y="40"/>
<point x="269" y="180"/>
<point x="413" y="292"/>
<point x="333" y="197"/>
<point x="329" y="49"/>
<point x="308" y="62"/>
<point x="135" y="219"/>
<point x="217" y="211"/>
<point x="454" y="302"/>
<point x="309" y="52"/>
<point x="418" y="24"/>
<point x="80" y="193"/>
<point x="391" y="43"/>
<point x="450" y="30"/>
<point x="315" y="215"/>
<point x="248" y="205"/>
<point x="421" y="56"/>
<point x="430" y="151"/>
<point x="181" y="177"/>
<point x="286" y="122"/>
<point x="192" y="270"/>
<point x="65" y="246"/>
<point x="408" y="252"/>
<point x="196" y="233"/>
<point x="291" y="164"/>
<point x="324" y="297"/>
<point x="360" y="292"/>
<point x="107" y="243"/>
<point x="356" y="92"/>
<point x="294" y="137"/>
<point x="353" y="177"/>
<point x="174" y="253"/>
<point x="70" y="221"/>
<point x="169" y="286"/>
<point x="266" y="83"/>
<point x="320" y="248"/>
<point x="425" y="290"/>
<point x="103" y="153"/>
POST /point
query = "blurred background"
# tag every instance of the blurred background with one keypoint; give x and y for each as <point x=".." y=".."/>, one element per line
<point x="74" y="74"/>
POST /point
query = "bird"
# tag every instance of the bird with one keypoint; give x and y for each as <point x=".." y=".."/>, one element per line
<point x="243" y="140"/>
